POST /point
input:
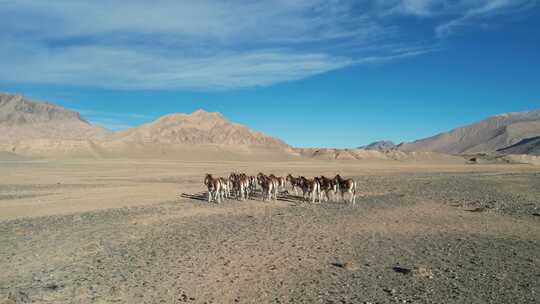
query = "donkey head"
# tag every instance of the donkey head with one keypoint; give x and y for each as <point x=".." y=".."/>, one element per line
<point x="207" y="178"/>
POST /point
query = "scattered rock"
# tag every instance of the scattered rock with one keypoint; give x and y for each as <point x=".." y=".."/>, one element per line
<point x="183" y="298"/>
<point x="391" y="291"/>
<point x="17" y="297"/>
<point x="402" y="270"/>
<point x="52" y="286"/>
<point x="345" y="265"/>
<point x="477" y="209"/>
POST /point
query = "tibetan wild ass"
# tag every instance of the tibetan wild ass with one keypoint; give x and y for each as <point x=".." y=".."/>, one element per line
<point x="214" y="188"/>
<point x="312" y="188"/>
<point x="346" y="185"/>
<point x="240" y="185"/>
<point x="280" y="181"/>
<point x="268" y="185"/>
<point x="296" y="183"/>
<point x="328" y="185"/>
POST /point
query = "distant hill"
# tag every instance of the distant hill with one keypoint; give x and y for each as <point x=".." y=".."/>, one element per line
<point x="34" y="128"/>
<point x="363" y="154"/>
<point x="487" y="136"/>
<point x="383" y="145"/>
<point x="31" y="128"/>
<point x="197" y="128"/>
<point x="23" y="119"/>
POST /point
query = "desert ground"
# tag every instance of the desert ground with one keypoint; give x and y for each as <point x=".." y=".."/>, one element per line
<point x="140" y="231"/>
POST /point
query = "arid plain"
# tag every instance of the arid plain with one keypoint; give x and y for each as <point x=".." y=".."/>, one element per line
<point x="137" y="231"/>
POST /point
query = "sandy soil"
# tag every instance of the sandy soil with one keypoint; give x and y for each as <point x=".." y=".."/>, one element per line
<point x="78" y="231"/>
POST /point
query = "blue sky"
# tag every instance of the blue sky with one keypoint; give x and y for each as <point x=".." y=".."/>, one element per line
<point x="314" y="73"/>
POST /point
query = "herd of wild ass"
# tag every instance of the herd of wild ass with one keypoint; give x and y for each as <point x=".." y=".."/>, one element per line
<point x="242" y="186"/>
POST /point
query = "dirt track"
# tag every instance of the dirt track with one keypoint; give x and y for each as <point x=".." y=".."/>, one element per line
<point x="416" y="235"/>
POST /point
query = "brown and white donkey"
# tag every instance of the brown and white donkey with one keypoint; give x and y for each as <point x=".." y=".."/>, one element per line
<point x="346" y="185"/>
<point x="214" y="186"/>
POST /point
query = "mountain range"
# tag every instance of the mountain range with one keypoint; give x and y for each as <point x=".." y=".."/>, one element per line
<point x="33" y="128"/>
<point x="492" y="135"/>
<point x="22" y="119"/>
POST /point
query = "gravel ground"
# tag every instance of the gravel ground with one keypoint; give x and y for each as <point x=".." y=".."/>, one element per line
<point x="410" y="238"/>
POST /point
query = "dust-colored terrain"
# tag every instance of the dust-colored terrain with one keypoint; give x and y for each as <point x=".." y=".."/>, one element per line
<point x="78" y="231"/>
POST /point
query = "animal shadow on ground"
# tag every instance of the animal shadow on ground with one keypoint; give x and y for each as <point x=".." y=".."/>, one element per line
<point x="202" y="196"/>
<point x="286" y="197"/>
<point x="477" y="209"/>
<point x="256" y="195"/>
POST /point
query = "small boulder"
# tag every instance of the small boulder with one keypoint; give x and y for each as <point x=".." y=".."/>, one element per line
<point x="402" y="270"/>
<point x="349" y="265"/>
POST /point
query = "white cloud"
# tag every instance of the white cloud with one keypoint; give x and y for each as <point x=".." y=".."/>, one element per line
<point x="210" y="44"/>
<point x="413" y="7"/>
<point x="454" y="14"/>
<point x="126" y="69"/>
<point x="481" y="9"/>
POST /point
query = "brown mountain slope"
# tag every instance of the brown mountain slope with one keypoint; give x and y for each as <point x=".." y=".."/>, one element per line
<point x="22" y="119"/>
<point x="365" y="154"/>
<point x="383" y="145"/>
<point x="197" y="128"/>
<point x="39" y="129"/>
<point x="486" y="136"/>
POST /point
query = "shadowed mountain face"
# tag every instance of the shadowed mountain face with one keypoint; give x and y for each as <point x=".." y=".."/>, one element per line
<point x="383" y="145"/>
<point x="529" y="146"/>
<point x="22" y="119"/>
<point x="487" y="136"/>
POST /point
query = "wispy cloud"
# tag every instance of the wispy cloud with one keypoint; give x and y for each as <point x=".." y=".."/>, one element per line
<point x="210" y="44"/>
<point x="455" y="15"/>
<point x="481" y="9"/>
<point x="110" y="67"/>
